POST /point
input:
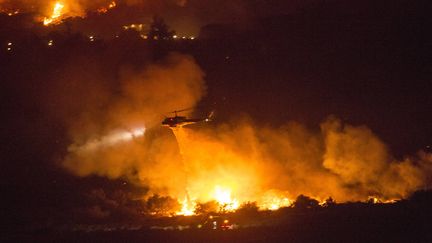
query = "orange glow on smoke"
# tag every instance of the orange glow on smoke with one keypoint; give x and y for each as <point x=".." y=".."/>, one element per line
<point x="216" y="172"/>
<point x="230" y="183"/>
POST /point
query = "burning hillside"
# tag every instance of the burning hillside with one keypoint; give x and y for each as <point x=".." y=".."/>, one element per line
<point x="53" y="12"/>
<point x="270" y="127"/>
<point x="229" y="166"/>
<point x="56" y="15"/>
<point x="92" y="16"/>
<point x="61" y="10"/>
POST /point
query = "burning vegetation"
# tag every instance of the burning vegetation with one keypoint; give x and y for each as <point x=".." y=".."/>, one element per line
<point x="116" y="133"/>
<point x="112" y="5"/>
<point x="56" y="15"/>
<point x="119" y="133"/>
<point x="225" y="167"/>
<point x="54" y="12"/>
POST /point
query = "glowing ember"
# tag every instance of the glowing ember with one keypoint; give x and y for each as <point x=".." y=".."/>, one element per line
<point x="375" y="200"/>
<point x="13" y="13"/>
<point x="9" y="12"/>
<point x="112" y="5"/>
<point x="56" y="14"/>
<point x="137" y="27"/>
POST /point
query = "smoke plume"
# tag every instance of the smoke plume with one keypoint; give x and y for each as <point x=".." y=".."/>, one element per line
<point x="348" y="163"/>
<point x="107" y="139"/>
<point x="113" y="121"/>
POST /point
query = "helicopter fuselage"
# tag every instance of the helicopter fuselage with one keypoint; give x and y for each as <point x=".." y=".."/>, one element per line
<point x="179" y="121"/>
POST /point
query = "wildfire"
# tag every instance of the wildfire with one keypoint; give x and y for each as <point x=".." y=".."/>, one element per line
<point x="57" y="12"/>
<point x="112" y="5"/>
<point x="270" y="201"/>
<point x="9" y="11"/>
<point x="188" y="207"/>
<point x="274" y="203"/>
<point x="376" y="200"/>
<point x="224" y="188"/>
<point x="226" y="203"/>
<point x="223" y="197"/>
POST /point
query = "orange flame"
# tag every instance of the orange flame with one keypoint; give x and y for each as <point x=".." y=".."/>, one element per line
<point x="188" y="207"/>
<point x="57" y="12"/>
<point x="274" y="201"/>
<point x="112" y="5"/>
<point x="223" y="197"/>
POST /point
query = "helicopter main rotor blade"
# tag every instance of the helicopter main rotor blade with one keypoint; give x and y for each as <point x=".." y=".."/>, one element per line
<point x="187" y="109"/>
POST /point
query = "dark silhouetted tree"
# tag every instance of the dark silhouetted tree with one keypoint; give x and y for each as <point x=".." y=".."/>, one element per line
<point x="329" y="202"/>
<point x="248" y="208"/>
<point x="159" y="30"/>
<point x="208" y="207"/>
<point x="422" y="199"/>
<point x="162" y="205"/>
<point x="130" y="35"/>
<point x="303" y="202"/>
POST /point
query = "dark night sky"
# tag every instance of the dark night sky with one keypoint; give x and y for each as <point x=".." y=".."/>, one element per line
<point x="367" y="63"/>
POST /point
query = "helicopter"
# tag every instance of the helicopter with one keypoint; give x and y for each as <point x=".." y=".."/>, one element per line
<point x="180" y="121"/>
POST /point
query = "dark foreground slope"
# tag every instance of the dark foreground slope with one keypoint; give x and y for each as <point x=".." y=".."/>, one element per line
<point x="404" y="221"/>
